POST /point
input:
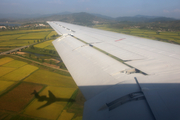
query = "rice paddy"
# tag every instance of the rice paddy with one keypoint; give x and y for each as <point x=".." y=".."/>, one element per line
<point x="162" y="36"/>
<point x="49" y="112"/>
<point x="39" y="35"/>
<point x="66" y="116"/>
<point x="15" y="64"/>
<point x="20" y="73"/>
<point x="44" y="44"/>
<point x="5" y="70"/>
<point x="51" y="79"/>
<point x="5" y="84"/>
<point x="19" y="79"/>
<point x="21" y="97"/>
<point x="5" y="60"/>
<point x="22" y="37"/>
<point x="51" y="34"/>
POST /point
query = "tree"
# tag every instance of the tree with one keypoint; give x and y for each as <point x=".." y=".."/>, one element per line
<point x="29" y="55"/>
<point x="158" y="32"/>
<point x="50" y="51"/>
<point x="32" y="47"/>
<point x="42" y="59"/>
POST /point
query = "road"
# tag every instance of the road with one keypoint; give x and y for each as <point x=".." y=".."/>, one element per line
<point x="13" y="50"/>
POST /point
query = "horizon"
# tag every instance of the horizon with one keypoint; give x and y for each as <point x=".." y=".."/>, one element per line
<point x="9" y="15"/>
<point x="109" y="8"/>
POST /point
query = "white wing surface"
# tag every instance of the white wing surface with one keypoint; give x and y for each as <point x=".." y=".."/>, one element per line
<point x="121" y="76"/>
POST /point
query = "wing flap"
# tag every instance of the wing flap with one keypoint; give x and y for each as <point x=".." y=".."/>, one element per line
<point x="89" y="67"/>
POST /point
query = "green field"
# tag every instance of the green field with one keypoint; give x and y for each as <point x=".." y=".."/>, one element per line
<point x="38" y="35"/>
<point x="51" y="34"/>
<point x="23" y="37"/>
<point x="44" y="44"/>
<point x="171" y="37"/>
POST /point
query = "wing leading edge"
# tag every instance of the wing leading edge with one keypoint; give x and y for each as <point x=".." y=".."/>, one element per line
<point x="109" y="86"/>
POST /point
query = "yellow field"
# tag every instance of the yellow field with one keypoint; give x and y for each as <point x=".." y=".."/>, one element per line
<point x="9" y="37"/>
<point x="5" y="60"/>
<point x="44" y="44"/>
<point x="22" y="37"/>
<point x="49" y="112"/>
<point x="15" y="63"/>
<point x="77" y="118"/>
<point x="16" y="42"/>
<point x="53" y="110"/>
<point x="59" y="92"/>
<point x="52" y="79"/>
<point x="5" y="70"/>
<point x="66" y="116"/>
<point x="62" y="87"/>
<point x="51" y="34"/>
<point x="20" y="73"/>
<point x="39" y="35"/>
<point x="5" y="84"/>
<point x="50" y="47"/>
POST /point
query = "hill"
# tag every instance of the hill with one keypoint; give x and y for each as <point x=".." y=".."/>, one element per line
<point x="142" y="18"/>
<point x="76" y="18"/>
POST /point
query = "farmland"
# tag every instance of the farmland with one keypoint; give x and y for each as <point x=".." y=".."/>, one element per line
<point x="5" y="60"/>
<point x="20" y="73"/>
<point x="46" y="77"/>
<point x="165" y="36"/>
<point x="20" y="79"/>
<point x="44" y="44"/>
<point x="22" y="37"/>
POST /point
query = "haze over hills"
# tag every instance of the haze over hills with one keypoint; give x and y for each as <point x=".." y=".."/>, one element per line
<point x="80" y="18"/>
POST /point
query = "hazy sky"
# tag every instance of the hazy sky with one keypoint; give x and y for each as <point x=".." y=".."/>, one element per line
<point x="113" y="8"/>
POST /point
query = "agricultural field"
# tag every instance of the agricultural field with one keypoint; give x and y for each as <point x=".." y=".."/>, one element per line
<point x="5" y="70"/>
<point x="18" y="80"/>
<point x="15" y="63"/>
<point x="66" y="116"/>
<point x="46" y="77"/>
<point x="171" y="37"/>
<point x="5" y="60"/>
<point x="44" y="44"/>
<point x="52" y="34"/>
<point x="20" y="73"/>
<point x="23" y="37"/>
<point x="58" y="96"/>
<point x="20" y="95"/>
<point x="5" y="84"/>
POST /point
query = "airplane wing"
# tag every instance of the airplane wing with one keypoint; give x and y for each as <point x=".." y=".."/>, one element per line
<point x="121" y="76"/>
